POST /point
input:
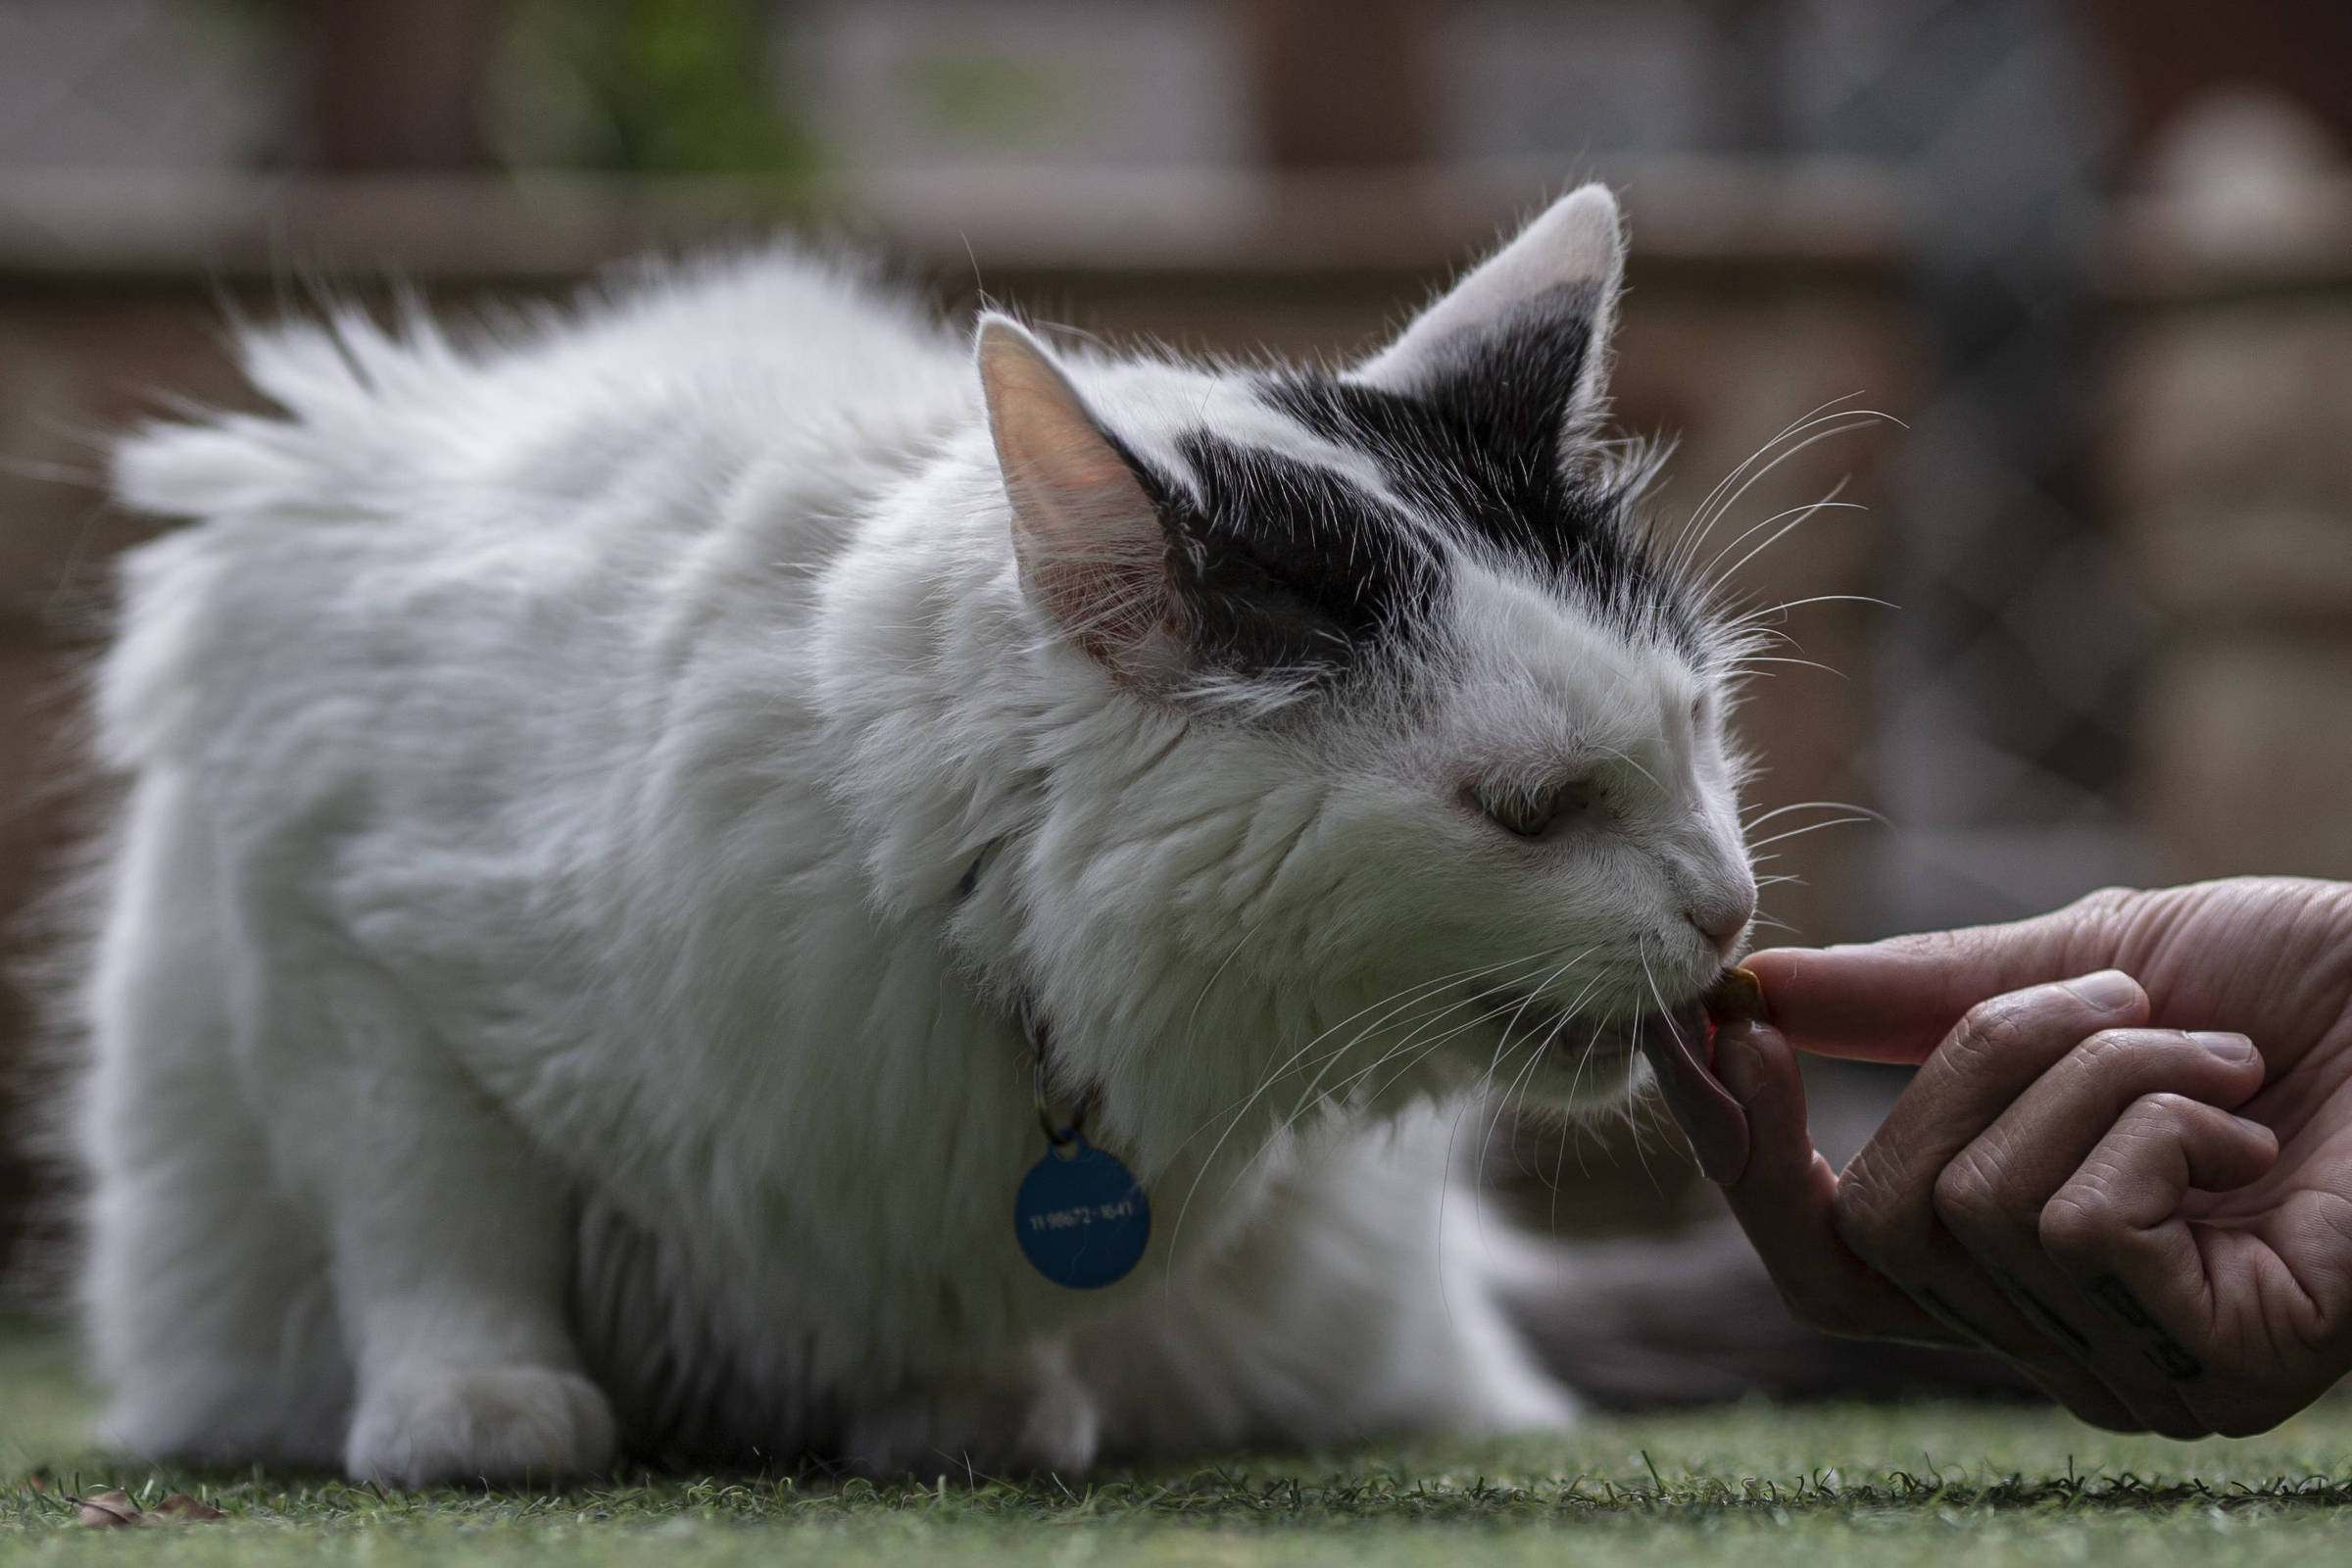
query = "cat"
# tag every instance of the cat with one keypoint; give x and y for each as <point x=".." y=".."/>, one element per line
<point x="627" y="822"/>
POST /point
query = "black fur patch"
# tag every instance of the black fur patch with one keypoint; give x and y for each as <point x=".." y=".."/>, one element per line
<point x="1477" y="446"/>
<point x="1284" y="569"/>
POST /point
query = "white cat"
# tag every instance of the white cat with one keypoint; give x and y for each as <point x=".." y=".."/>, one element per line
<point x="604" y="799"/>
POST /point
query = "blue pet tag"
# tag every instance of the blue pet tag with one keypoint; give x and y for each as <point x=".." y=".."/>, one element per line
<point x="1081" y="1216"/>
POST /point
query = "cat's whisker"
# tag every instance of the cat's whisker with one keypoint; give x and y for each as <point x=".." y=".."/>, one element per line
<point x="1801" y="663"/>
<point x="1797" y="438"/>
<point x="1815" y="827"/>
<point x="1289" y="1123"/>
<point x="1750" y="824"/>
<point x="1410" y="1041"/>
<point x="1720" y="575"/>
<point x="1746" y="618"/>
<point x="1724" y="496"/>
<point x="1307" y="1100"/>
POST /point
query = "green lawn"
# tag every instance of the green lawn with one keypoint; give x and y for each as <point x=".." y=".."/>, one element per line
<point x="1958" y="1486"/>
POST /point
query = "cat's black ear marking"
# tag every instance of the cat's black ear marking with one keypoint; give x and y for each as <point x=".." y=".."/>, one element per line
<point x="1087" y="537"/>
<point x="1287" y="571"/>
<point x="1523" y="340"/>
<point x="1263" y="567"/>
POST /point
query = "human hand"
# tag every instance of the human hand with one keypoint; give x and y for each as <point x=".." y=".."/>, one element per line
<point x="2094" y="1173"/>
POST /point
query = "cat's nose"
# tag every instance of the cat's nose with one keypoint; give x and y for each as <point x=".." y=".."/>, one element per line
<point x="1722" y="922"/>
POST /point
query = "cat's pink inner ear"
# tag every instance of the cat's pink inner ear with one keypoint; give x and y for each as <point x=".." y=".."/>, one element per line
<point x="1087" y="537"/>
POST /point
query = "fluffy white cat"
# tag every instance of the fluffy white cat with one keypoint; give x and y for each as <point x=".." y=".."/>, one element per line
<point x="603" y="800"/>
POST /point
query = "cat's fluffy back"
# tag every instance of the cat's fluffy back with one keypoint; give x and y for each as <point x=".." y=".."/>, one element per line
<point x="645" y="412"/>
<point x="747" y="349"/>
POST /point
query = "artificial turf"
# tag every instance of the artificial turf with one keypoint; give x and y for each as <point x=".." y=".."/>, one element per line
<point x="1821" y="1487"/>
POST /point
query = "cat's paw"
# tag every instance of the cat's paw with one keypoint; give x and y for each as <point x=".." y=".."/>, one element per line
<point x="963" y="1433"/>
<point x="480" y="1423"/>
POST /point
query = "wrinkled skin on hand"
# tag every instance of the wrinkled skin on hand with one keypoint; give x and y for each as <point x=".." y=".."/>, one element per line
<point x="2093" y="1172"/>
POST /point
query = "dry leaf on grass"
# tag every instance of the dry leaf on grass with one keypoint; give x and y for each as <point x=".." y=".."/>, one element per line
<point x="106" y="1511"/>
<point x="184" y="1509"/>
<point x="111" y="1509"/>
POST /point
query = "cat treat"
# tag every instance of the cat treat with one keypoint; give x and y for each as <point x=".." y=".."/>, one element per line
<point x="603" y="794"/>
<point x="1736" y="997"/>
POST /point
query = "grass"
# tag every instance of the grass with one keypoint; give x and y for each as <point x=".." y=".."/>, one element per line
<point x="1749" y="1484"/>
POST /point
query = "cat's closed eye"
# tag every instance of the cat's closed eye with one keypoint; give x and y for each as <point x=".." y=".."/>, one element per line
<point x="1530" y="811"/>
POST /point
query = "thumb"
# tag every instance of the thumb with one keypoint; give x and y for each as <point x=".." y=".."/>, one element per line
<point x="1785" y="1200"/>
<point x="1894" y="1000"/>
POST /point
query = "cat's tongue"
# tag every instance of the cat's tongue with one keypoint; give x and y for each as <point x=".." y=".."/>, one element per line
<point x="1678" y="1052"/>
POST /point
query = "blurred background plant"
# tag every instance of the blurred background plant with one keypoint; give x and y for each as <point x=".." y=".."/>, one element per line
<point x="648" y="87"/>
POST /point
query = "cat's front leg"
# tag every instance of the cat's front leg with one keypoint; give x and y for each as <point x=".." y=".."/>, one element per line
<point x="450" y="1244"/>
<point x="1035" y="1418"/>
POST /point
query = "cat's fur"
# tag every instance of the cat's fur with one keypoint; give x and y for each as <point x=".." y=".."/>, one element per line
<point x="545" y="1004"/>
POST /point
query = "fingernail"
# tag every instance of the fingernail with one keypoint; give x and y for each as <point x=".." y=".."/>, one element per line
<point x="2109" y="989"/>
<point x="1737" y="1063"/>
<point x="2236" y="1050"/>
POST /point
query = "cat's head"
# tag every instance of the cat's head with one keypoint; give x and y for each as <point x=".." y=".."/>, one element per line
<point x="1446" y="744"/>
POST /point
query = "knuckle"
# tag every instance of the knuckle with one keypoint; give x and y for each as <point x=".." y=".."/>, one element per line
<point x="1992" y="1028"/>
<point x="2076" y="1225"/>
<point x="2152" y="1117"/>
<point x="2110" y="1049"/>
<point x="1876" y="1221"/>
<point x="1968" y="1192"/>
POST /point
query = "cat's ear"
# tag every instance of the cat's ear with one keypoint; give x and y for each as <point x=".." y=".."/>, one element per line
<point x="1530" y="324"/>
<point x="1088" y="541"/>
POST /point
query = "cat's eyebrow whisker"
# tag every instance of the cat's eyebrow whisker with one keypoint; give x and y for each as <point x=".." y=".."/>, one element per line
<point x="1754" y="617"/>
<point x="1750" y="824"/>
<point x="1803" y="509"/>
<point x="1717" y="503"/>
<point x="1629" y="759"/>
<point x="1719" y="574"/>
<point x="1715" y="575"/>
<point x="1752" y="661"/>
<point x="1769" y="457"/>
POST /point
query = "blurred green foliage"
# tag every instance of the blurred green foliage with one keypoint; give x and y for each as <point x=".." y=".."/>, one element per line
<point x="649" y="87"/>
<point x="995" y="100"/>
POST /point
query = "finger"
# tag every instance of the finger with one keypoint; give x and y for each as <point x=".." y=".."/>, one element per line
<point x="1990" y="1197"/>
<point x="1894" y="1000"/>
<point x="1995" y="1188"/>
<point x="2116" y="1229"/>
<point x="1885" y="1203"/>
<point x="1783" y="1201"/>
<point x="1999" y="1050"/>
